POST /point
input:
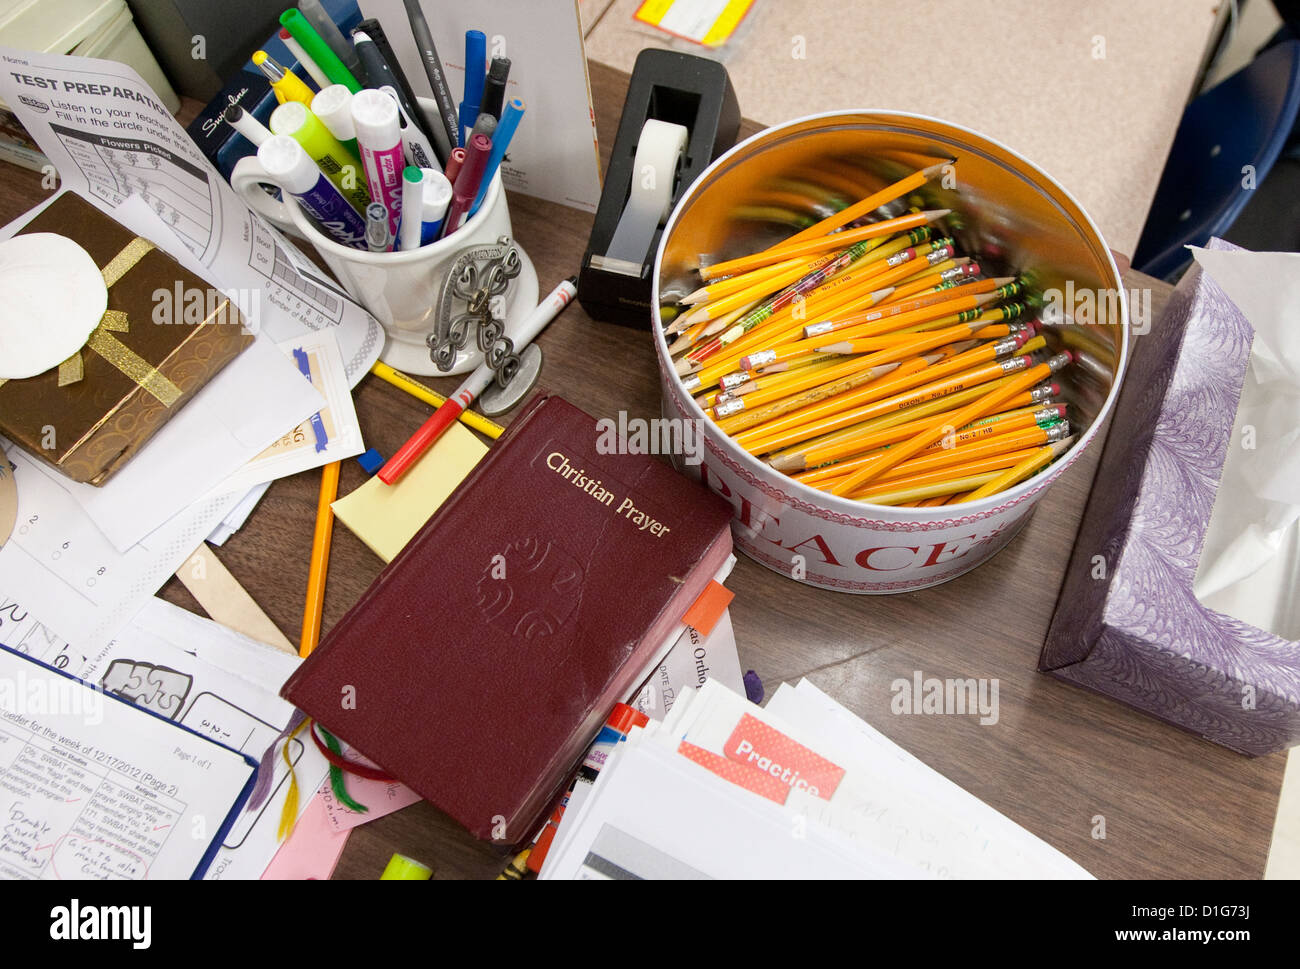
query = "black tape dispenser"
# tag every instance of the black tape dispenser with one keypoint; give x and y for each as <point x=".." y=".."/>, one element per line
<point x="680" y="114"/>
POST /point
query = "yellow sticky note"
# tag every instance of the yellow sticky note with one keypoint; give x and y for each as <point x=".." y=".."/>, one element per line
<point x="386" y="517"/>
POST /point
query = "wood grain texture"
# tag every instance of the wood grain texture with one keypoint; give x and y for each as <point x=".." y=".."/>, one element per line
<point x="1174" y="806"/>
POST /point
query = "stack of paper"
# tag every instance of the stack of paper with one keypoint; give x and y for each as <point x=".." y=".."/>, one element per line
<point x="722" y="788"/>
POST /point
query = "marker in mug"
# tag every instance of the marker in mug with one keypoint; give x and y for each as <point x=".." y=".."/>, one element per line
<point x="510" y="118"/>
<point x="246" y="124"/>
<point x="475" y="70"/>
<point x="379" y="137"/>
<point x="288" y="165"/>
<point x="467" y="182"/>
<point x="437" y="196"/>
<point x="333" y="106"/>
<point x="475" y="384"/>
<point x="341" y="166"/>
<point x="303" y="58"/>
<point x="494" y="88"/>
<point x="377" y="237"/>
<point x="454" y="164"/>
<point x="408" y="236"/>
<point x="419" y="151"/>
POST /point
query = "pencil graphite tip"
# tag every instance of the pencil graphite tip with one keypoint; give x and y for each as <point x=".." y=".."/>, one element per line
<point x="932" y="214"/>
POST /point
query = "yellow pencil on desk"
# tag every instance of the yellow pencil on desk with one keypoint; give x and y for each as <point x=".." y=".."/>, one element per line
<point x="420" y="392"/>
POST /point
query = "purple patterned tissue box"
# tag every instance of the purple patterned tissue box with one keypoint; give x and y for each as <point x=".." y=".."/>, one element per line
<point x="1127" y="623"/>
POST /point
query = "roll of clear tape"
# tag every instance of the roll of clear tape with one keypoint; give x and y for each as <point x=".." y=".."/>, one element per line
<point x="659" y="154"/>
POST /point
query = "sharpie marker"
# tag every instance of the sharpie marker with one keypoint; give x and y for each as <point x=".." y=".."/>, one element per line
<point x="341" y="166"/>
<point x="288" y="165"/>
<point x="475" y="384"/>
<point x="379" y="137"/>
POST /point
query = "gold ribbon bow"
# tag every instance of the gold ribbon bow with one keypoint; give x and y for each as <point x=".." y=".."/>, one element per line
<point x="144" y="374"/>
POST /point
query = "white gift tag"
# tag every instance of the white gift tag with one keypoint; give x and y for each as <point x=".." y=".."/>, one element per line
<point x="54" y="297"/>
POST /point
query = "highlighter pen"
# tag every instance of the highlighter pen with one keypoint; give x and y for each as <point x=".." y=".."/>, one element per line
<point x="320" y="52"/>
<point x="475" y="384"/>
<point x="246" y="124"/>
<point x="328" y="31"/>
<point x="494" y="88"/>
<point x="510" y="118"/>
<point x="433" y="69"/>
<point x="290" y="168"/>
<point x="437" y="196"/>
<point x="454" y="164"/>
<point x="467" y="182"/>
<point x="284" y="82"/>
<point x="379" y="137"/>
<point x="304" y="59"/>
<point x="341" y="166"/>
<point x="377" y="237"/>
<point x="333" y="107"/>
<point x="378" y="72"/>
<point x="408" y="234"/>
<point x="475" y="70"/>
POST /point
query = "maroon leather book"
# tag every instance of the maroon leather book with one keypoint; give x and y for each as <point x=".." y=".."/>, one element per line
<point x="481" y="663"/>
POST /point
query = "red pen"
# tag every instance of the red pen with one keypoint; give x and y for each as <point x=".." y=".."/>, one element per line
<point x="478" y="381"/>
<point x="468" y="179"/>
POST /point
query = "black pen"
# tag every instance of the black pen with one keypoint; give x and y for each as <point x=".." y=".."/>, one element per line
<point x="379" y="73"/>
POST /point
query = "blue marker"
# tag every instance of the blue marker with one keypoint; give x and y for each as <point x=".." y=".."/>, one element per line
<point x="475" y="71"/>
<point x="500" y="142"/>
<point x="289" y="167"/>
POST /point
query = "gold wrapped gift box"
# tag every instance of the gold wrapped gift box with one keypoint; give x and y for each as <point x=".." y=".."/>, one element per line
<point x="146" y="359"/>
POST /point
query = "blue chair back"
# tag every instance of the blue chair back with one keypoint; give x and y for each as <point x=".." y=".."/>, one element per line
<point x="1243" y="121"/>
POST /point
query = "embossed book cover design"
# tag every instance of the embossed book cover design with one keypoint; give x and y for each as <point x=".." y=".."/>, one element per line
<point x="484" y="658"/>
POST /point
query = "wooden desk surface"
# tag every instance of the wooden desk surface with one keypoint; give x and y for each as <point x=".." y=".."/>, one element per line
<point x="1174" y="805"/>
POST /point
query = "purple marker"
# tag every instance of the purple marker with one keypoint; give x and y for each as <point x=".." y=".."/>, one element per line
<point x="289" y="167"/>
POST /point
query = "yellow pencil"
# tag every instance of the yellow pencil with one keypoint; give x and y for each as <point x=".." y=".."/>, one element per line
<point x="1030" y="465"/>
<point x="419" y="391"/>
<point x="320" y="559"/>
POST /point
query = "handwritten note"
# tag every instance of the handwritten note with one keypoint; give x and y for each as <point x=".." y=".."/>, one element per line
<point x="91" y="787"/>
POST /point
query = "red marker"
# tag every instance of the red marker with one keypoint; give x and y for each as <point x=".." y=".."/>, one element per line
<point x="475" y="384"/>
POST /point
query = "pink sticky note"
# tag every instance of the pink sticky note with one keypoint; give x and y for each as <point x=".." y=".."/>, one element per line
<point x="312" y="849"/>
<point x="381" y="797"/>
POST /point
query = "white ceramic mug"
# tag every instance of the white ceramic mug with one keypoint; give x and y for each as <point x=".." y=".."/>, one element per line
<point x="401" y="289"/>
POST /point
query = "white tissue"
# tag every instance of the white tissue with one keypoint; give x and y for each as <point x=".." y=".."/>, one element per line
<point x="1250" y="562"/>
